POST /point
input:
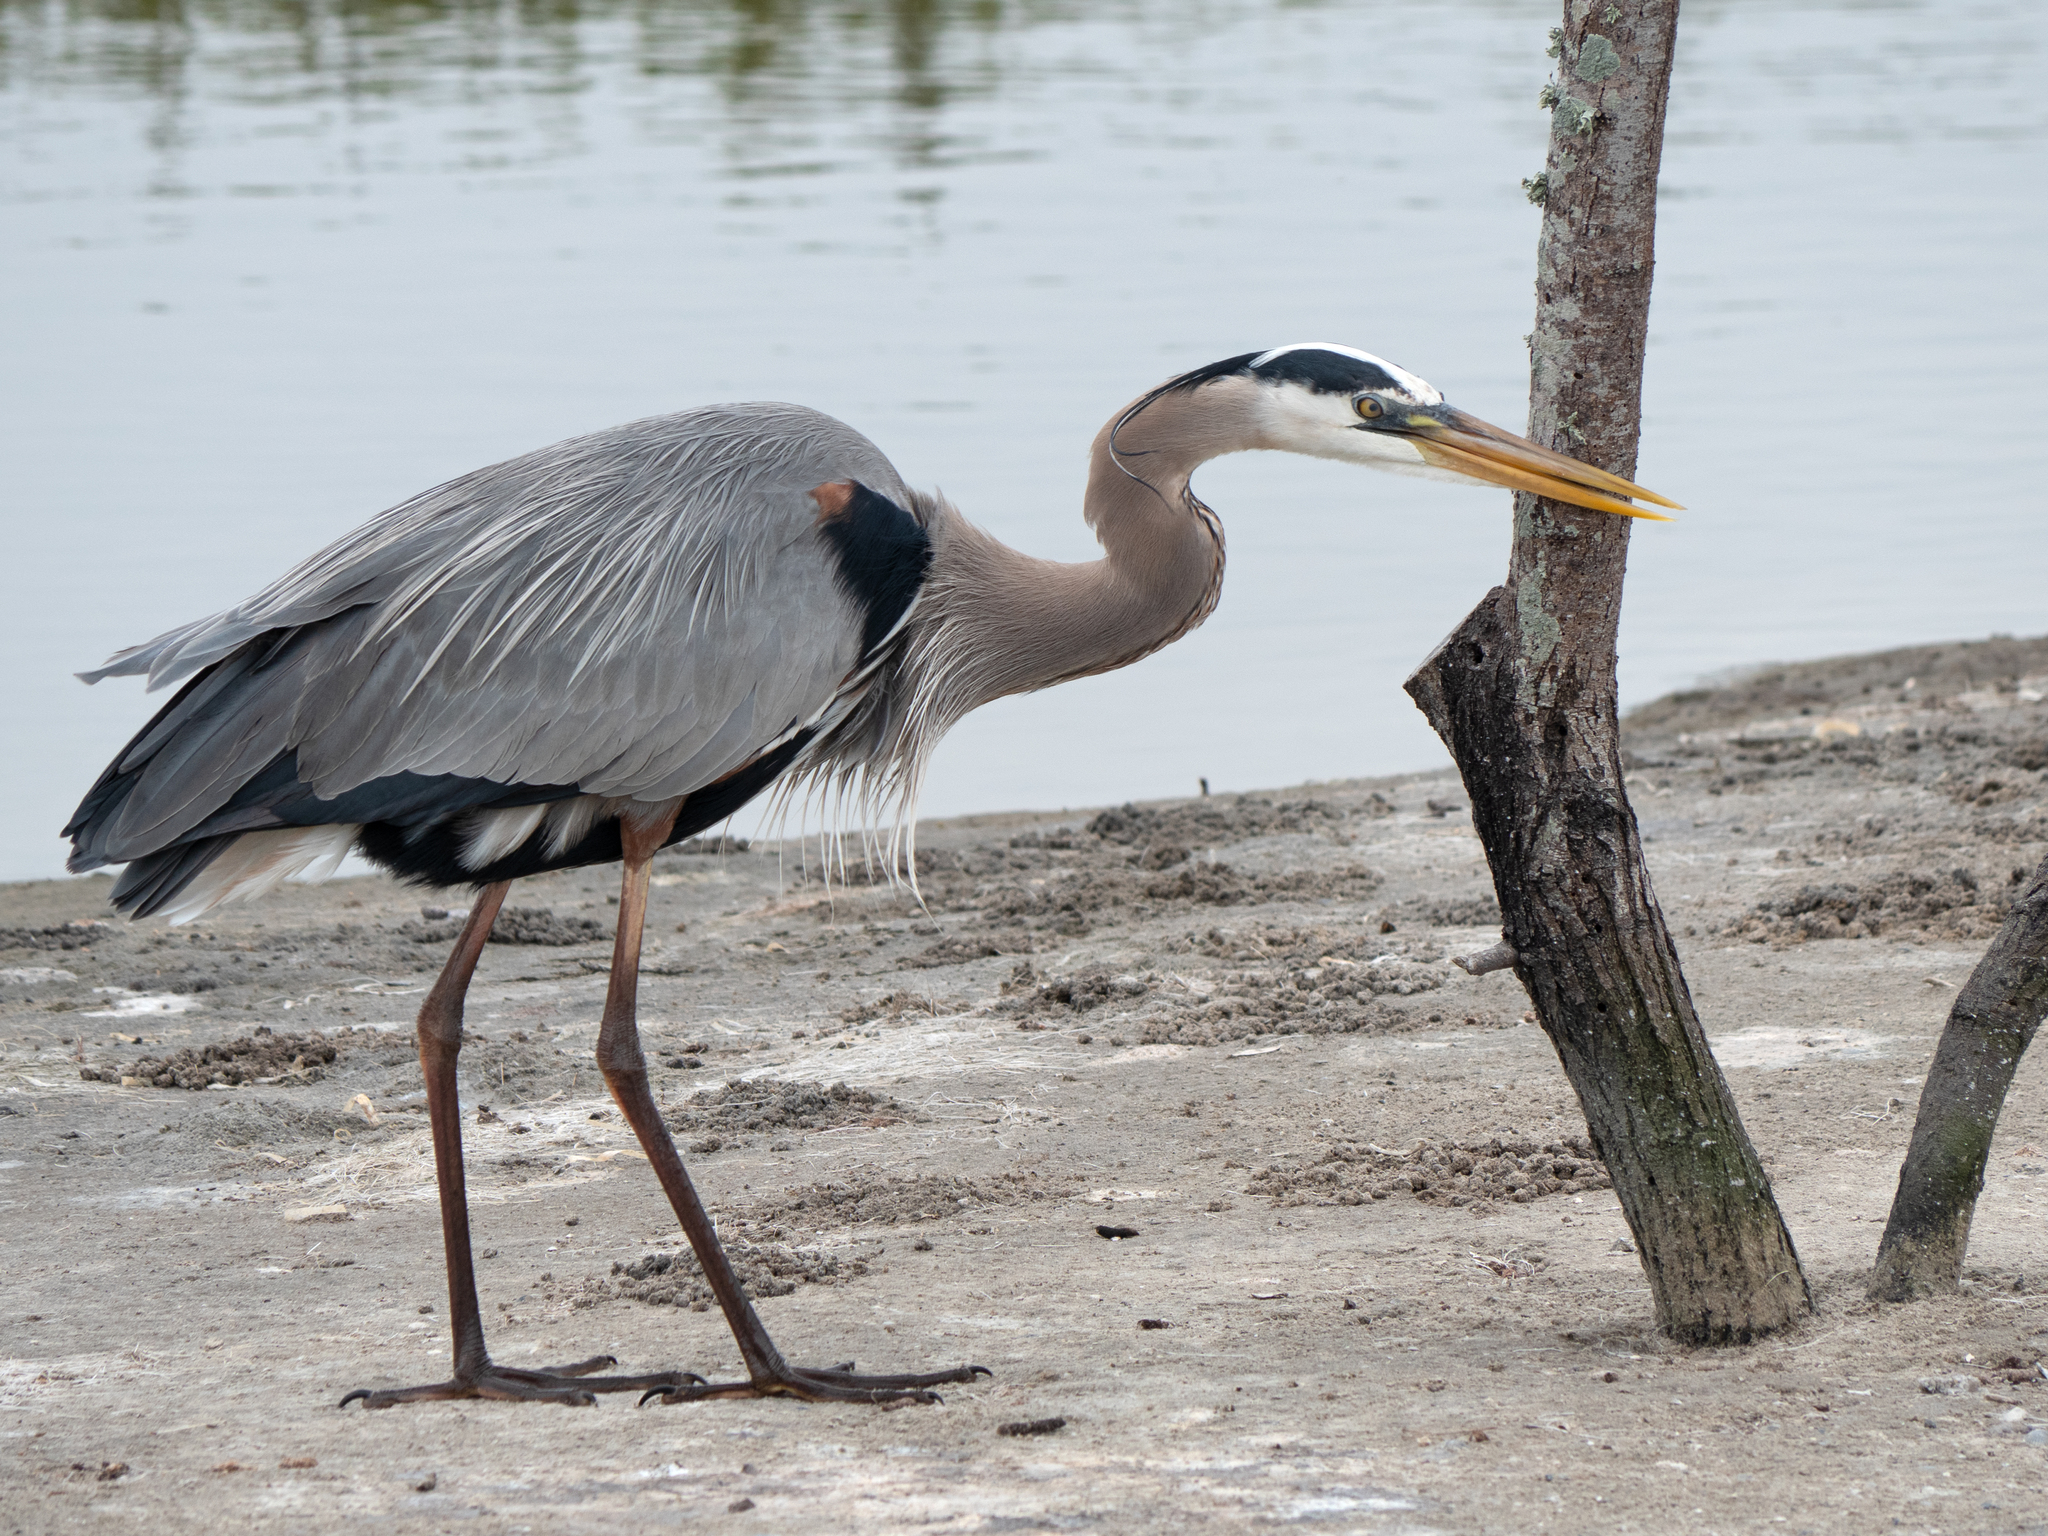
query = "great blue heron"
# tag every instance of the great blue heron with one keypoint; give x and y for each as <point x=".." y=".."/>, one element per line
<point x="588" y="652"/>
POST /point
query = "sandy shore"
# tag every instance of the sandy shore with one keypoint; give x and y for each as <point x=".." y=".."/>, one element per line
<point x="1397" y="1293"/>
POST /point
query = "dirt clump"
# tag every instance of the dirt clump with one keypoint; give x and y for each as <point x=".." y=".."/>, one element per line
<point x="1216" y="885"/>
<point x="1937" y="904"/>
<point x="1232" y="1015"/>
<point x="269" y="1123"/>
<point x="257" y="1057"/>
<point x="956" y="949"/>
<point x="75" y="935"/>
<point x="1219" y="885"/>
<point x="764" y="1105"/>
<point x="1291" y="993"/>
<point x="1133" y="859"/>
<point x="1078" y="992"/>
<point x="1068" y="904"/>
<point x="1455" y="1173"/>
<point x="537" y="925"/>
<point x="1195" y="823"/>
<point x="677" y="1279"/>
<point x="895" y="1004"/>
<point x="890" y="1201"/>
<point x="515" y="925"/>
<point x="1456" y="912"/>
<point x="1076" y="903"/>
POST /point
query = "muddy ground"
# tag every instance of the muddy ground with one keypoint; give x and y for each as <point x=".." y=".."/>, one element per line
<point x="1377" y="1281"/>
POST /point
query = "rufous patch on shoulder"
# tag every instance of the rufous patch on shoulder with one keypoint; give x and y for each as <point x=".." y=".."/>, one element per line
<point x="833" y="498"/>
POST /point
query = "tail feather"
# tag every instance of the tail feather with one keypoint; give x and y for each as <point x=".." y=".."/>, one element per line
<point x="146" y="884"/>
<point x="182" y="882"/>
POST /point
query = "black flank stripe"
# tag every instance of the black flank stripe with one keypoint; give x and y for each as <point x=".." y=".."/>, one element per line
<point x="433" y="855"/>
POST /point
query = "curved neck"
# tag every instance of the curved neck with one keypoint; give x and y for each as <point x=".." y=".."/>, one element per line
<point x="1011" y="623"/>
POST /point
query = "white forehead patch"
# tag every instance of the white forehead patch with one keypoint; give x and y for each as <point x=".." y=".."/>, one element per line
<point x="1421" y="389"/>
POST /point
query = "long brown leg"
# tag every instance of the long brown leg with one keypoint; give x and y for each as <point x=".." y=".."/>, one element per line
<point x="624" y="1066"/>
<point x="475" y="1375"/>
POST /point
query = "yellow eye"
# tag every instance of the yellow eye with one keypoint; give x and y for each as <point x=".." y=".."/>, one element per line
<point x="1368" y="407"/>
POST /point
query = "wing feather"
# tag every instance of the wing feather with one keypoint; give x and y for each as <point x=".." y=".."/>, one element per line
<point x="636" y="613"/>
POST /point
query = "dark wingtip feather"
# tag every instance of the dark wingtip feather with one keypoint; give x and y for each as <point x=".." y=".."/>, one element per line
<point x="150" y="884"/>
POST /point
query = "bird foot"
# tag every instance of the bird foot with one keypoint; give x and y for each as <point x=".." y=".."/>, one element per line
<point x="573" y="1386"/>
<point x="830" y="1384"/>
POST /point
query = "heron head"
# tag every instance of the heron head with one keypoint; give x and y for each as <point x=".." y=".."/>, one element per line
<point x="1339" y="403"/>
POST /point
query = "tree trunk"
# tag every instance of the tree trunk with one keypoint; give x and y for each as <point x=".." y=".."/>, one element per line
<point x="1523" y="693"/>
<point x="1991" y="1024"/>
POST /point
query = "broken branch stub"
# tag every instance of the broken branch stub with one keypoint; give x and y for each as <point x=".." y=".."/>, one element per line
<point x="1990" y="1025"/>
<point x="1523" y="693"/>
<point x="1497" y="957"/>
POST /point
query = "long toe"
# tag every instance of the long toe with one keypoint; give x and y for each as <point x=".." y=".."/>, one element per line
<point x="573" y="1385"/>
<point x="505" y="1390"/>
<point x="833" y="1384"/>
<point x="582" y="1374"/>
<point x="389" y="1397"/>
<point x="798" y="1386"/>
<point x="588" y="1367"/>
<point x="846" y="1376"/>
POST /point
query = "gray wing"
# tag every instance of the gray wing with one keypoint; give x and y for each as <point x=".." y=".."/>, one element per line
<point x="635" y="613"/>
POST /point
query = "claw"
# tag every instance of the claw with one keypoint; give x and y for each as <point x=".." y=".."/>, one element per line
<point x="689" y="1379"/>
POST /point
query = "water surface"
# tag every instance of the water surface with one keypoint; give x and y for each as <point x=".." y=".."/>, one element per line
<point x="267" y="268"/>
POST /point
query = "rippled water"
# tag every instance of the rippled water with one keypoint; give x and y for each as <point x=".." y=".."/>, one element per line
<point x="266" y="268"/>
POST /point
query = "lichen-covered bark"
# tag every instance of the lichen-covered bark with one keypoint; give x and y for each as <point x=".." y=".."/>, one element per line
<point x="1524" y="694"/>
<point x="1990" y="1026"/>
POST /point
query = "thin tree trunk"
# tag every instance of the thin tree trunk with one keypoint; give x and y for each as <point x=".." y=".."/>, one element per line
<point x="1991" y="1024"/>
<point x="1523" y="693"/>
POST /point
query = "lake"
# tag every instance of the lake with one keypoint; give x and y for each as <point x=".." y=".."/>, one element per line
<point x="266" y="269"/>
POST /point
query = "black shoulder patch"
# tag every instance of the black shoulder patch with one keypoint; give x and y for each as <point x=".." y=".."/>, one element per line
<point x="883" y="554"/>
<point x="1328" y="373"/>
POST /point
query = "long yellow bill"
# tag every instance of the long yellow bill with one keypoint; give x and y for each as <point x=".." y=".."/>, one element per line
<point x="1450" y="439"/>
